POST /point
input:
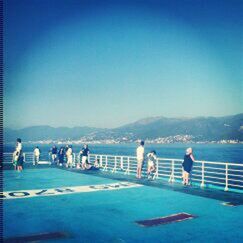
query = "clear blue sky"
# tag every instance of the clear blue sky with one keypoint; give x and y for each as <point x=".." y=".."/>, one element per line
<point x="108" y="63"/>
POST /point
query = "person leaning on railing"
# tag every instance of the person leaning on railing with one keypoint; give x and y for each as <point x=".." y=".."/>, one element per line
<point x="187" y="166"/>
<point x="151" y="163"/>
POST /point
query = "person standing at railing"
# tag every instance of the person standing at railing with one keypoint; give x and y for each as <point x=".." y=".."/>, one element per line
<point x="36" y="155"/>
<point x="69" y="155"/>
<point x="54" y="154"/>
<point x="65" y="154"/>
<point x="151" y="163"/>
<point x="19" y="155"/>
<point x="187" y="166"/>
<point x="80" y="156"/>
<point x="84" y="153"/>
<point x="140" y="159"/>
<point x="61" y="154"/>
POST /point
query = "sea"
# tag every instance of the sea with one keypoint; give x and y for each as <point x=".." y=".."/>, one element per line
<point x="229" y="153"/>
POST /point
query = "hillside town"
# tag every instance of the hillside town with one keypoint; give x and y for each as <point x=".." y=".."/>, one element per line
<point x="124" y="140"/>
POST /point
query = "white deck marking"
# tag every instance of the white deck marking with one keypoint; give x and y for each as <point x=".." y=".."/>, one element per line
<point x="65" y="190"/>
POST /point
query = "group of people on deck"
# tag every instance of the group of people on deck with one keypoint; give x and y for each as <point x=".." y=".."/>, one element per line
<point x="151" y="163"/>
<point x="64" y="156"/>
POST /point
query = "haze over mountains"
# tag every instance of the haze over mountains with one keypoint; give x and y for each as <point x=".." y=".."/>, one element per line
<point x="199" y="128"/>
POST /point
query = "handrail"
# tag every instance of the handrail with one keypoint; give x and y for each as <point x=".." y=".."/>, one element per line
<point x="220" y="173"/>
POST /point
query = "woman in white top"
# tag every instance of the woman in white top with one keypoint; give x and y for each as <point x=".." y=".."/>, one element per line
<point x="69" y="155"/>
<point x="151" y="163"/>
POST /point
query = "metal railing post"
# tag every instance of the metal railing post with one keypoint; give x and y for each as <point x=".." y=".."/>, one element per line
<point x="101" y="165"/>
<point x="128" y="166"/>
<point x="114" y="168"/>
<point x="121" y="166"/>
<point x="203" y="174"/>
<point x="226" y="178"/>
<point x="106" y="162"/>
<point x="172" y="171"/>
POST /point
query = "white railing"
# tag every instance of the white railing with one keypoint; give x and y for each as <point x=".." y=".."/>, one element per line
<point x="28" y="158"/>
<point x="227" y="176"/>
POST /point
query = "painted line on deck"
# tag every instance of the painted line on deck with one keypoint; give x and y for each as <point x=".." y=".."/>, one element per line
<point x="66" y="190"/>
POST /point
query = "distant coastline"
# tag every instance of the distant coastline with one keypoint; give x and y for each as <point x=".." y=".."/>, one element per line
<point x="157" y="130"/>
<point x="113" y="141"/>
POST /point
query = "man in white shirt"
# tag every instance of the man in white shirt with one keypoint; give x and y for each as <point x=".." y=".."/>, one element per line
<point x="140" y="159"/>
<point x="36" y="155"/>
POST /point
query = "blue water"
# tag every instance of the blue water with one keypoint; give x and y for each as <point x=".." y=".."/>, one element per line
<point x="109" y="216"/>
<point x="207" y="152"/>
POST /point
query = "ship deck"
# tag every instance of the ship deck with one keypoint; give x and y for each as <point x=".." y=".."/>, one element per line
<point x="64" y="206"/>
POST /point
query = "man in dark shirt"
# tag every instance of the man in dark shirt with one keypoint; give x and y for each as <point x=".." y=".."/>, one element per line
<point x="84" y="153"/>
<point x="54" y="154"/>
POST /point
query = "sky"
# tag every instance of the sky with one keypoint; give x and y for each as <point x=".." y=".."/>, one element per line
<point x="109" y="63"/>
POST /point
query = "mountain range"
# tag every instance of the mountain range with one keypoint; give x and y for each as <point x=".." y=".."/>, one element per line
<point x="200" y="128"/>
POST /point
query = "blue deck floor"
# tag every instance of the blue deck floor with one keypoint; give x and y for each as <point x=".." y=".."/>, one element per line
<point x="109" y="216"/>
